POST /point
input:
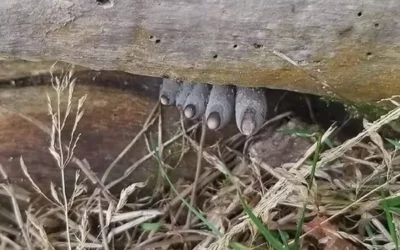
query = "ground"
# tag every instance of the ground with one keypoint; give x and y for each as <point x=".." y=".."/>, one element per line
<point x="287" y="173"/>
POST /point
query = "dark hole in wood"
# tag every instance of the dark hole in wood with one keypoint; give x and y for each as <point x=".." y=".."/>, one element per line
<point x="151" y="37"/>
<point x="369" y="53"/>
<point x="158" y="41"/>
<point x="235" y="46"/>
<point x="359" y="13"/>
<point x="376" y="25"/>
<point x="257" y="46"/>
<point x="346" y="31"/>
<point x="215" y="56"/>
<point x="101" y="2"/>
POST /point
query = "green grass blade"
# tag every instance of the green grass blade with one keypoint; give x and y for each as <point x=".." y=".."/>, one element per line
<point x="300" y="223"/>
<point x="392" y="227"/>
<point x="329" y="143"/>
<point x="395" y="210"/>
<point x="187" y="204"/>
<point x="396" y="144"/>
<point x="299" y="228"/>
<point x="151" y="226"/>
<point x="284" y="238"/>
<point x="238" y="246"/>
<point x="275" y="243"/>
<point x="393" y="202"/>
<point x="234" y="245"/>
<point x="371" y="234"/>
<point x="297" y="132"/>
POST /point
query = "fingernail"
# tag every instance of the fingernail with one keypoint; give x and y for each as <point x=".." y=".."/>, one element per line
<point x="213" y="120"/>
<point x="250" y="109"/>
<point x="248" y="123"/>
<point x="190" y="111"/>
<point x="164" y="100"/>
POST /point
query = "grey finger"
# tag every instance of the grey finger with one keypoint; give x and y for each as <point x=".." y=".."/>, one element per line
<point x="169" y="91"/>
<point x="186" y="89"/>
<point x="196" y="102"/>
<point x="220" y="108"/>
<point x="251" y="109"/>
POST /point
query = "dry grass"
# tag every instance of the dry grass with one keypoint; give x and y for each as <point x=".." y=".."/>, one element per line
<point x="352" y="202"/>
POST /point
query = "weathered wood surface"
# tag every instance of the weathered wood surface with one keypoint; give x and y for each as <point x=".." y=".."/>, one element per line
<point x="113" y="117"/>
<point x="352" y="45"/>
<point x="16" y="69"/>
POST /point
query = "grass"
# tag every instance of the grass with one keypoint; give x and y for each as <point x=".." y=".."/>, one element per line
<point x="391" y="225"/>
<point x="269" y="237"/>
<point x="187" y="204"/>
<point x="336" y="195"/>
<point x="300" y="223"/>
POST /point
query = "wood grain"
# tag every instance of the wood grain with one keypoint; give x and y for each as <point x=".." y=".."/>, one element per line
<point x="351" y="45"/>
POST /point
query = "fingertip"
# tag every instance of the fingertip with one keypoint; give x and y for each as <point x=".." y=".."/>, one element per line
<point x="248" y="124"/>
<point x="164" y="100"/>
<point x="190" y="111"/>
<point x="213" y="120"/>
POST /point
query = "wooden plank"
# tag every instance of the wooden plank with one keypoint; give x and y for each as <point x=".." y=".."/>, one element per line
<point x="16" y="69"/>
<point x="352" y="45"/>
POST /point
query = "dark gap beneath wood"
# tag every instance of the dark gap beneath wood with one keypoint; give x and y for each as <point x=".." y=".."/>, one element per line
<point x="101" y="2"/>
<point x="326" y="112"/>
